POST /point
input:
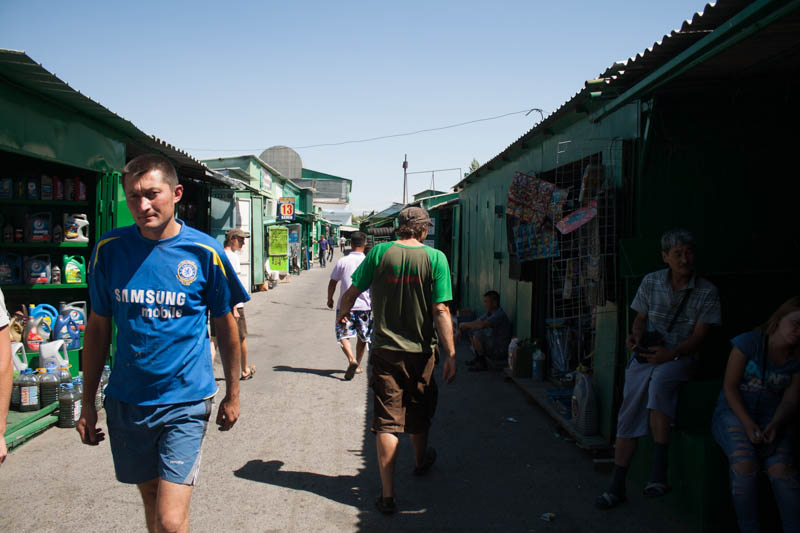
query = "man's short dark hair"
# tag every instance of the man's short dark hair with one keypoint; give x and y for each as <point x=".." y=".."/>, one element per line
<point x="358" y="239"/>
<point x="494" y="295"/>
<point x="413" y="231"/>
<point x="148" y="162"/>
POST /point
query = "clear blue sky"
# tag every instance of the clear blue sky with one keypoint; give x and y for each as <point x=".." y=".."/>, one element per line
<point x="222" y="78"/>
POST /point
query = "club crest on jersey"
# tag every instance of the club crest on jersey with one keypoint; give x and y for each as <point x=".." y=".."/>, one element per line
<point x="187" y="272"/>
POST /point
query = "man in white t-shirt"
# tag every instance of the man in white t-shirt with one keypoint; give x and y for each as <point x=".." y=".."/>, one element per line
<point x="6" y="374"/>
<point x="234" y="242"/>
<point x="359" y="322"/>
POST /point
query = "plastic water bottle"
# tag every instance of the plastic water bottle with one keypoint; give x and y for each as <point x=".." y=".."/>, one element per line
<point x="48" y="386"/>
<point x="15" y="393"/>
<point x="78" y="384"/>
<point x="104" y="380"/>
<point x="28" y="391"/>
<point x="64" y="375"/>
<point x="69" y="406"/>
<point x="538" y="362"/>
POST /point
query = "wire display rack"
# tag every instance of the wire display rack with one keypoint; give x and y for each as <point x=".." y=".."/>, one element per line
<point x="582" y="277"/>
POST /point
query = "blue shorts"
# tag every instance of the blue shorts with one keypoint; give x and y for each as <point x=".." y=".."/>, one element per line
<point x="157" y="441"/>
<point x="358" y="323"/>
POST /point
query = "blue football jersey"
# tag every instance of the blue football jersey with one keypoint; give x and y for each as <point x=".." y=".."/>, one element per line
<point x="159" y="294"/>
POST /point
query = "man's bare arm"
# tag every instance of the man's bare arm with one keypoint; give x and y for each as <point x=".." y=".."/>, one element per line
<point x="96" y="343"/>
<point x="331" y="292"/>
<point x="348" y="300"/>
<point x="444" y="327"/>
<point x="231" y="357"/>
<point x="6" y="381"/>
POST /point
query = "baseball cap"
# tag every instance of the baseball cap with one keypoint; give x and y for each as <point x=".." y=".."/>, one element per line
<point x="236" y="232"/>
<point x="413" y="215"/>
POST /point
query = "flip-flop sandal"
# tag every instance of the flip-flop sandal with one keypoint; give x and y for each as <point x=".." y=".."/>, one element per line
<point x="655" y="489"/>
<point x="351" y="371"/>
<point x="608" y="500"/>
<point x="247" y="376"/>
<point x="430" y="458"/>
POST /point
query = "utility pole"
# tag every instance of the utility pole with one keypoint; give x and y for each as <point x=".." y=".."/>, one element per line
<point x="405" y="180"/>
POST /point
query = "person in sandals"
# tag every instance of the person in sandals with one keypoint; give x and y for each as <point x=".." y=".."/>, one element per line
<point x="675" y="312"/>
<point x="234" y="242"/>
<point x="410" y="287"/>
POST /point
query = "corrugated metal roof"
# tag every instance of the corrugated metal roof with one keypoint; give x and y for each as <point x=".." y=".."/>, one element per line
<point x="21" y="70"/>
<point x="624" y="74"/>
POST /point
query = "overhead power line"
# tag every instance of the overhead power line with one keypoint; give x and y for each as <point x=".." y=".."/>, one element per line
<point x="371" y="139"/>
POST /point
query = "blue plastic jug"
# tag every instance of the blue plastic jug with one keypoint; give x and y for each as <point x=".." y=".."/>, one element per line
<point x="46" y="311"/>
<point x="67" y="330"/>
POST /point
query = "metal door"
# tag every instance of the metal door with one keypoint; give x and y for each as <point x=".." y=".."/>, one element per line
<point x="243" y="220"/>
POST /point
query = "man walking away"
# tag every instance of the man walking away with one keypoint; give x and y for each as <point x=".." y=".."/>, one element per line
<point x="675" y="309"/>
<point x="331" y="247"/>
<point x="157" y="280"/>
<point x="410" y="287"/>
<point x="234" y="242"/>
<point x="323" y="251"/>
<point x="489" y="335"/>
<point x="342" y="242"/>
<point x="359" y="322"/>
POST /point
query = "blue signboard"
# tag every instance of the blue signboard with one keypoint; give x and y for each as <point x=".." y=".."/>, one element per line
<point x="286" y="209"/>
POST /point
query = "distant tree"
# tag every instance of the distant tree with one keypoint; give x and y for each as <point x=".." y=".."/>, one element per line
<point x="473" y="166"/>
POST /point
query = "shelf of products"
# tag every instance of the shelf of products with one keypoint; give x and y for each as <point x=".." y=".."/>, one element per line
<point x="45" y="203"/>
<point x="45" y="286"/>
<point x="44" y="244"/>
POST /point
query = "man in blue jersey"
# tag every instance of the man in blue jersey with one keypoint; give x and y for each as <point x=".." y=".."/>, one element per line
<point x="157" y="280"/>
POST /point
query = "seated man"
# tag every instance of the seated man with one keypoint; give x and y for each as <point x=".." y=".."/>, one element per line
<point x="489" y="335"/>
<point x="676" y="309"/>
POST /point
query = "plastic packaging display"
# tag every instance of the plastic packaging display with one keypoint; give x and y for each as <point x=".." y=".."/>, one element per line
<point x="36" y="332"/>
<point x="76" y="227"/>
<point x="539" y="361"/>
<point x="76" y="311"/>
<point x="558" y="336"/>
<point x="64" y="375"/>
<point x="74" y="269"/>
<point x="46" y="187"/>
<point x="38" y="227"/>
<point x="54" y="352"/>
<point x="585" y="415"/>
<point x="18" y="356"/>
<point x="28" y="391"/>
<point x="15" y="392"/>
<point x="67" y="330"/>
<point x="36" y="269"/>
<point x="69" y="406"/>
<point x="10" y="269"/>
<point x="48" y="386"/>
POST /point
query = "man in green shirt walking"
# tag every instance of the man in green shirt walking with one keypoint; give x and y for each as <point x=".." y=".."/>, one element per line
<point x="410" y="287"/>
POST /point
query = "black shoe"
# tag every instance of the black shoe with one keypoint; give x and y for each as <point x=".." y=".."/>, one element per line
<point x="386" y="505"/>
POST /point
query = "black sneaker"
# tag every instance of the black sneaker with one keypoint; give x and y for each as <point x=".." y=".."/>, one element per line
<point x="386" y="505"/>
<point x="430" y="458"/>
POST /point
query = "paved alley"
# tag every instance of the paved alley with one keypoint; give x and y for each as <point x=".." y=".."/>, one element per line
<point x="301" y="457"/>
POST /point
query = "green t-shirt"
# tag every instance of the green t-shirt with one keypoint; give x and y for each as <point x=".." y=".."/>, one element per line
<point x="405" y="282"/>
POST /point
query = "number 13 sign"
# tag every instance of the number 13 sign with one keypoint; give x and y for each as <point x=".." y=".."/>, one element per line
<point x="286" y="208"/>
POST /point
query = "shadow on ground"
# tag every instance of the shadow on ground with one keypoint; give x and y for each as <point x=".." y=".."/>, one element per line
<point x="313" y="371"/>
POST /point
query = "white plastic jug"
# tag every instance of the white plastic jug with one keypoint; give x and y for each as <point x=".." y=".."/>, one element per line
<point x="55" y="351"/>
<point x="76" y="227"/>
<point x="18" y="356"/>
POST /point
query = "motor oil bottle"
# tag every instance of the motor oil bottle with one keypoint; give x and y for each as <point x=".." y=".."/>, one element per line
<point x="76" y="311"/>
<point x="69" y="406"/>
<point x="46" y="187"/>
<point x="76" y="227"/>
<point x="36" y="332"/>
<point x="18" y="356"/>
<point x="28" y="391"/>
<point x="6" y="188"/>
<point x="36" y="269"/>
<point x="80" y="190"/>
<point x="69" y="187"/>
<point x="38" y="227"/>
<point x="44" y="310"/>
<point x="58" y="188"/>
<point x="10" y="269"/>
<point x="8" y="233"/>
<point x="74" y="270"/>
<point x="67" y="330"/>
<point x="55" y="275"/>
<point x="58" y="233"/>
<point x="33" y="188"/>
<point x="48" y="386"/>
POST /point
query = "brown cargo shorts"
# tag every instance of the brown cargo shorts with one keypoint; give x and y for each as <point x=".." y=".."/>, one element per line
<point x="405" y="391"/>
<point x="241" y="325"/>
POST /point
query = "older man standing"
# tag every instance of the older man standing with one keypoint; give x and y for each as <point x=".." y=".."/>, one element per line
<point x="676" y="309"/>
<point x="234" y="242"/>
<point x="410" y="287"/>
